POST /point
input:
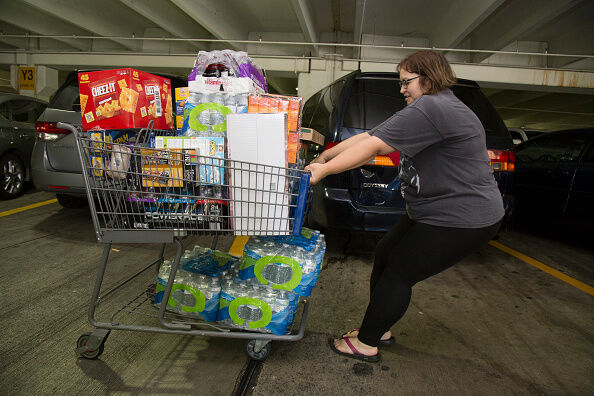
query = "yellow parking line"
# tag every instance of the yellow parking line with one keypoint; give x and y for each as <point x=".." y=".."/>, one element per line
<point x="551" y="271"/>
<point x="32" y="206"/>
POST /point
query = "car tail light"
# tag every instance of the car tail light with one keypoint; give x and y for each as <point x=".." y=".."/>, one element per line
<point x="379" y="160"/>
<point x="502" y="160"/>
<point x="49" y="131"/>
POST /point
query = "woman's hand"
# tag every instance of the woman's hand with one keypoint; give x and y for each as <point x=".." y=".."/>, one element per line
<point x="317" y="170"/>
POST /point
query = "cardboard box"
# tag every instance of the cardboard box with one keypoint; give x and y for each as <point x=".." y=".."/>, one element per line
<point x="181" y="95"/>
<point x="259" y="200"/>
<point x="162" y="175"/>
<point x="210" y="170"/>
<point x="289" y="105"/>
<point x="125" y="98"/>
<point x="311" y="135"/>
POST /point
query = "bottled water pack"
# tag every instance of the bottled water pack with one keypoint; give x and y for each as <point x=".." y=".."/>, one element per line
<point x="197" y="285"/>
<point x="285" y="262"/>
<point x="252" y="306"/>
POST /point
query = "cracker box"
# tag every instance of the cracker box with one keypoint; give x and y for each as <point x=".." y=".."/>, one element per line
<point x="181" y="95"/>
<point x="125" y="98"/>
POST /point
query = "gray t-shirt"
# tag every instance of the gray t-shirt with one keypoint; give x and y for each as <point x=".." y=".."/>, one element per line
<point x="446" y="176"/>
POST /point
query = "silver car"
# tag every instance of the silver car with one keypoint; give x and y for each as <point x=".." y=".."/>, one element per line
<point x="55" y="163"/>
<point x="17" y="137"/>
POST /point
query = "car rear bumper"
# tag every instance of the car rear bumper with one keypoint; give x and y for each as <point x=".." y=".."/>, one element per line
<point x="334" y="208"/>
<point x="48" y="179"/>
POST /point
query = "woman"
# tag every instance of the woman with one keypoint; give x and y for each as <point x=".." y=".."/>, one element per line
<point x="452" y="199"/>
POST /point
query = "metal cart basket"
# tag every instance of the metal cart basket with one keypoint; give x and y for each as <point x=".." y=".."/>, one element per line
<point x="141" y="194"/>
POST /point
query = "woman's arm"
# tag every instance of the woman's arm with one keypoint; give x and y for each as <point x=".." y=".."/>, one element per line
<point x="352" y="156"/>
<point x="327" y="155"/>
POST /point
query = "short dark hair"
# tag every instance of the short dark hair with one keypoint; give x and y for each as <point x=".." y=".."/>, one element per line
<point x="433" y="67"/>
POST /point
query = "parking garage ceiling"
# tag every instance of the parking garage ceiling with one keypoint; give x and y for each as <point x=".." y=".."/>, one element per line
<point x="526" y="35"/>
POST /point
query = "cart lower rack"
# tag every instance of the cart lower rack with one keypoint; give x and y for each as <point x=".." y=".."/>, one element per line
<point x="139" y="193"/>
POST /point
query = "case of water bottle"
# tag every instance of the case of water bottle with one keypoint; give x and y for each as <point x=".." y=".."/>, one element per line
<point x="197" y="286"/>
<point x="219" y="84"/>
<point x="291" y="263"/>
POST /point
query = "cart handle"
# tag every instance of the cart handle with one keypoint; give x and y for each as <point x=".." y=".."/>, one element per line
<point x="301" y="203"/>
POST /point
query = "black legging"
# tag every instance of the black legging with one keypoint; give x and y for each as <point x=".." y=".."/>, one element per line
<point x="407" y="254"/>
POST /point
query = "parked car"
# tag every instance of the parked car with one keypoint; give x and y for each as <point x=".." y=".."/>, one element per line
<point x="17" y="137"/>
<point x="368" y="197"/>
<point x="520" y="135"/>
<point x="554" y="177"/>
<point x="55" y="163"/>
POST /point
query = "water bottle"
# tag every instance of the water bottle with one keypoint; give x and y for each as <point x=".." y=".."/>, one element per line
<point x="230" y="102"/>
<point x="217" y="117"/>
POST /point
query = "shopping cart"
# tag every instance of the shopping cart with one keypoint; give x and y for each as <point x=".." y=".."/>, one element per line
<point x="141" y="194"/>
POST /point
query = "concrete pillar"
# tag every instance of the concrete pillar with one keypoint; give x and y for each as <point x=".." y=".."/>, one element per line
<point x="46" y="81"/>
<point x="323" y="72"/>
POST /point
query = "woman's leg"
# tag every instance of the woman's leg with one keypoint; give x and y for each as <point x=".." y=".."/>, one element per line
<point x="385" y="246"/>
<point x="423" y="251"/>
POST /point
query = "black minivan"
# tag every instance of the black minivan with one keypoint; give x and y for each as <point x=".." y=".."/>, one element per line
<point x="368" y="198"/>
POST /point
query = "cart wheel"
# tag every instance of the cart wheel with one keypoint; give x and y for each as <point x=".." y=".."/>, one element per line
<point x="260" y="355"/>
<point x="82" y="341"/>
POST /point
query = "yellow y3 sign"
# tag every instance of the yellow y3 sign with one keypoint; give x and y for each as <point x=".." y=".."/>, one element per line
<point x="26" y="78"/>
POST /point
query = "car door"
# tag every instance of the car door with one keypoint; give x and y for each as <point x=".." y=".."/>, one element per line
<point x="581" y="197"/>
<point x="545" y="168"/>
<point x="24" y="114"/>
<point x="5" y="128"/>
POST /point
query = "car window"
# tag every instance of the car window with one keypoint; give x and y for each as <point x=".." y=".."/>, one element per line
<point x="371" y="102"/>
<point x="309" y="109"/>
<point x="24" y="110"/>
<point x="321" y="116"/>
<point x="67" y="97"/>
<point x="552" y="148"/>
<point x="476" y="101"/>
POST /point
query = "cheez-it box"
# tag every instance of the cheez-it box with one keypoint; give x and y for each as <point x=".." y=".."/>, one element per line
<point x="125" y="98"/>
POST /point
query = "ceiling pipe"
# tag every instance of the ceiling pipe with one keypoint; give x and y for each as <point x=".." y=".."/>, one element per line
<point x="402" y="47"/>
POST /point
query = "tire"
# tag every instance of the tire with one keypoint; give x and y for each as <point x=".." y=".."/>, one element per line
<point x="260" y="355"/>
<point x="71" y="201"/>
<point x="82" y="341"/>
<point x="12" y="177"/>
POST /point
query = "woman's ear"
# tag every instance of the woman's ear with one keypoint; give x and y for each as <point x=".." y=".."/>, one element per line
<point x="426" y="84"/>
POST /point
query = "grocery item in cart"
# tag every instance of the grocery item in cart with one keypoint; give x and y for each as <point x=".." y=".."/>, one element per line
<point x="249" y="306"/>
<point x="290" y="105"/>
<point x="208" y="153"/>
<point x="209" y="262"/>
<point x="192" y="294"/>
<point x="283" y="266"/>
<point x="125" y="98"/>
<point x="181" y="95"/>
<point x="228" y="63"/>
<point x="259" y="204"/>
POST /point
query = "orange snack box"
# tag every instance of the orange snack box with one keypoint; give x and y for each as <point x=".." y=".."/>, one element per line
<point x="124" y="98"/>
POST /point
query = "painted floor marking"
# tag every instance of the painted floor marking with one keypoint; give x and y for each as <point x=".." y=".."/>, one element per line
<point x="551" y="271"/>
<point x="24" y="208"/>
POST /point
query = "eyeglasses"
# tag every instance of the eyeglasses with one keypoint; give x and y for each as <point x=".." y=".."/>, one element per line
<point x="404" y="83"/>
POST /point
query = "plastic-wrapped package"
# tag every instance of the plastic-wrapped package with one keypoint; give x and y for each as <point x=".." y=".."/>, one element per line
<point x="227" y="63"/>
<point x="197" y="286"/>
<point x="218" y="85"/>
<point x="287" y="263"/>
<point x="250" y="306"/>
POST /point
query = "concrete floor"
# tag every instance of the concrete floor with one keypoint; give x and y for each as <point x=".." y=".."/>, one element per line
<point x="492" y="324"/>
